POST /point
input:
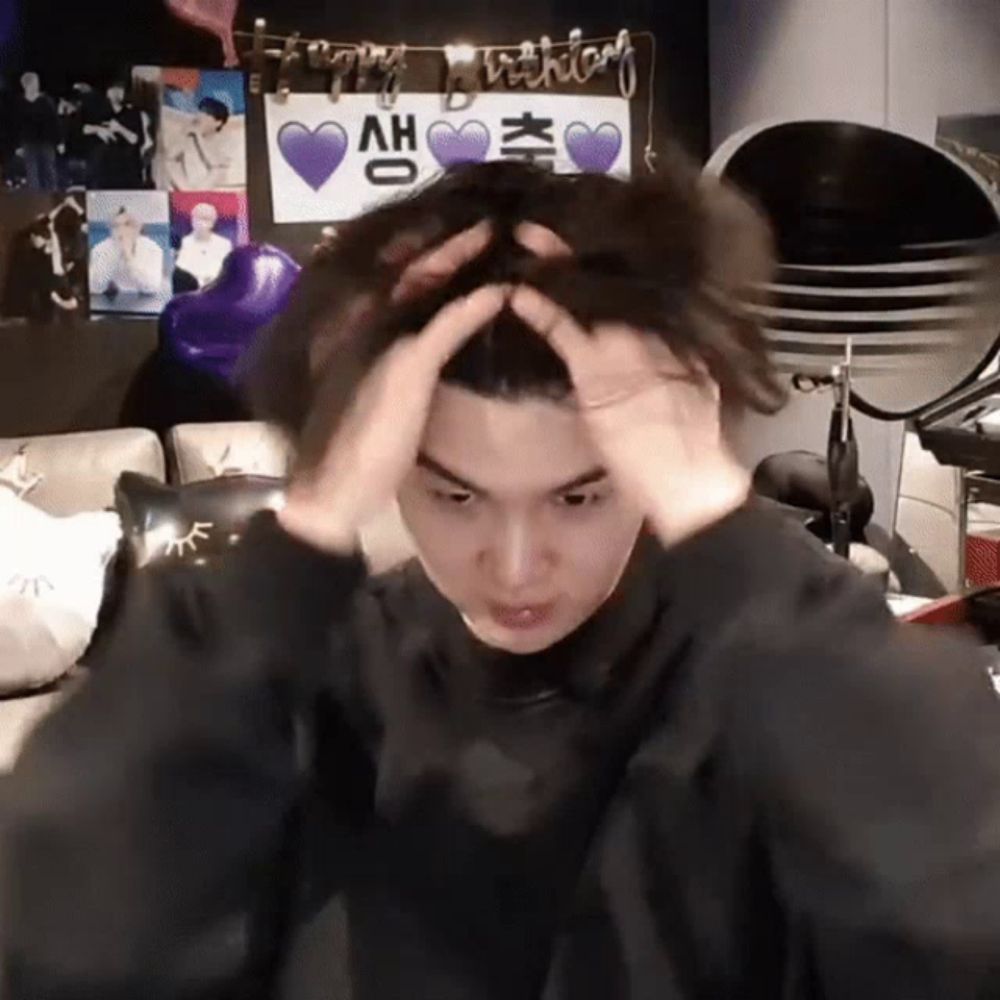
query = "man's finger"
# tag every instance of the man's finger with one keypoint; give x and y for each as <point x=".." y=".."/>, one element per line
<point x="693" y="369"/>
<point x="436" y="267"/>
<point x="457" y="322"/>
<point x="541" y="240"/>
<point x="402" y="248"/>
<point x="568" y="339"/>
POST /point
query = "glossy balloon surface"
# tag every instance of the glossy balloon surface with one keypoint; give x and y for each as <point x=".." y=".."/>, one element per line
<point x="209" y="330"/>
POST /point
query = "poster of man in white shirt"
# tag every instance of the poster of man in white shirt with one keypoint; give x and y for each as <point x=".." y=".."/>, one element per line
<point x="205" y="226"/>
<point x="202" y="131"/>
<point x="129" y="251"/>
<point x="202" y="251"/>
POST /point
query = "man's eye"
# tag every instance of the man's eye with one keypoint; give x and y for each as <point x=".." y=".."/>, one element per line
<point x="454" y="498"/>
<point x="577" y="500"/>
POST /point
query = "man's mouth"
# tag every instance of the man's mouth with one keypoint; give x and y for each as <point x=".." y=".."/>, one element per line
<point x="521" y="617"/>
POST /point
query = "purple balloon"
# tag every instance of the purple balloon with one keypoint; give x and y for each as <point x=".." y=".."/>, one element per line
<point x="450" y="145"/>
<point x="593" y="150"/>
<point x="212" y="328"/>
<point x="316" y="154"/>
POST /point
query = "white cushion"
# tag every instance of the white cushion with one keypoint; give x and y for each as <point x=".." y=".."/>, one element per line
<point x="236" y="448"/>
<point x="52" y="573"/>
<point x="69" y="473"/>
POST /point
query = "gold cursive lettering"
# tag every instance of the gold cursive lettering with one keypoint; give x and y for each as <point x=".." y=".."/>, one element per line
<point x="542" y="66"/>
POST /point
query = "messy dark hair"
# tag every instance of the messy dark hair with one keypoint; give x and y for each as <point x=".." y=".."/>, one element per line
<point x="215" y="108"/>
<point x="669" y="253"/>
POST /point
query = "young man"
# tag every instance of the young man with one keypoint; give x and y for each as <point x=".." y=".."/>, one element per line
<point x="94" y="137"/>
<point x="122" y="134"/>
<point x="30" y="279"/>
<point x="203" y="251"/>
<point x="612" y="735"/>
<point x="202" y="156"/>
<point x="38" y="134"/>
<point x="126" y="261"/>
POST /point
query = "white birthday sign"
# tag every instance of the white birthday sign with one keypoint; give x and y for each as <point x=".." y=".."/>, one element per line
<point x="333" y="160"/>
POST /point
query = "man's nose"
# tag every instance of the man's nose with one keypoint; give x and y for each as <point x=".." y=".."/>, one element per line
<point x="519" y="556"/>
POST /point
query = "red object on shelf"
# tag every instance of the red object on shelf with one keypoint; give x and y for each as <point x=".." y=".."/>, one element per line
<point x="950" y="610"/>
<point x="982" y="559"/>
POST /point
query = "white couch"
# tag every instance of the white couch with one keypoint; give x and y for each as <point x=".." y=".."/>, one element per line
<point x="71" y="473"/>
<point x="78" y="472"/>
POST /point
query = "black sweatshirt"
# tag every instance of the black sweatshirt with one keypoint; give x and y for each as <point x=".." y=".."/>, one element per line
<point x="742" y="779"/>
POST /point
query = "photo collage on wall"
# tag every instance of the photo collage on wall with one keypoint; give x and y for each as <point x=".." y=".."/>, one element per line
<point x="117" y="194"/>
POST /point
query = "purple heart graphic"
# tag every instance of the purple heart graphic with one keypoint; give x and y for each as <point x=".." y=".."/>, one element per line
<point x="450" y="145"/>
<point x="313" y="154"/>
<point x="595" y="150"/>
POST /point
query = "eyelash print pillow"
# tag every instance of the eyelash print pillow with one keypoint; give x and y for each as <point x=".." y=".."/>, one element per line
<point x="193" y="524"/>
<point x="52" y="577"/>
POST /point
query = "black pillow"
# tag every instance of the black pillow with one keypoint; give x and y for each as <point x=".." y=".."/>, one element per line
<point x="193" y="524"/>
<point x="799" y="479"/>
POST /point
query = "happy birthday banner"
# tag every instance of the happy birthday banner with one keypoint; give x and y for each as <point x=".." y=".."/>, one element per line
<point x="333" y="160"/>
<point x="469" y="68"/>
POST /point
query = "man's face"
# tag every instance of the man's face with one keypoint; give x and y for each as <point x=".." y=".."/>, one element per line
<point x="513" y="519"/>
<point x="202" y="223"/>
<point x="205" y="124"/>
<point x="116" y="95"/>
<point x="125" y="229"/>
<point x="31" y="85"/>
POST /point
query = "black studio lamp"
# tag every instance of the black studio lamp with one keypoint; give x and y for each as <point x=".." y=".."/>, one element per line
<point x="886" y="286"/>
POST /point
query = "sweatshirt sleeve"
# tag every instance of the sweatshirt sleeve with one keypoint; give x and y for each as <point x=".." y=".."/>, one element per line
<point x="144" y="824"/>
<point x="872" y="750"/>
<point x="102" y="265"/>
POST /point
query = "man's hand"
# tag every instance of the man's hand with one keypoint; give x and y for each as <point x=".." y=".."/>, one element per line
<point x="376" y="442"/>
<point x="655" y="421"/>
<point x="127" y="241"/>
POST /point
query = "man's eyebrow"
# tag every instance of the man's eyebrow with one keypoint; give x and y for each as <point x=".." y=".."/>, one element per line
<point x="426" y="462"/>
<point x="587" y="479"/>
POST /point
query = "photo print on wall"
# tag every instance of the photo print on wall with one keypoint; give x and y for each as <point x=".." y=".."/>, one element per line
<point x="205" y="227"/>
<point x="43" y="258"/>
<point x="130" y="257"/>
<point x="202" y="135"/>
<point x="74" y="133"/>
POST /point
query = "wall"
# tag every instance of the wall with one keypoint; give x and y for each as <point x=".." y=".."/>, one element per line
<point x="890" y="63"/>
<point x="57" y="379"/>
<point x="943" y="58"/>
<point x="795" y="59"/>
<point x="111" y="34"/>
